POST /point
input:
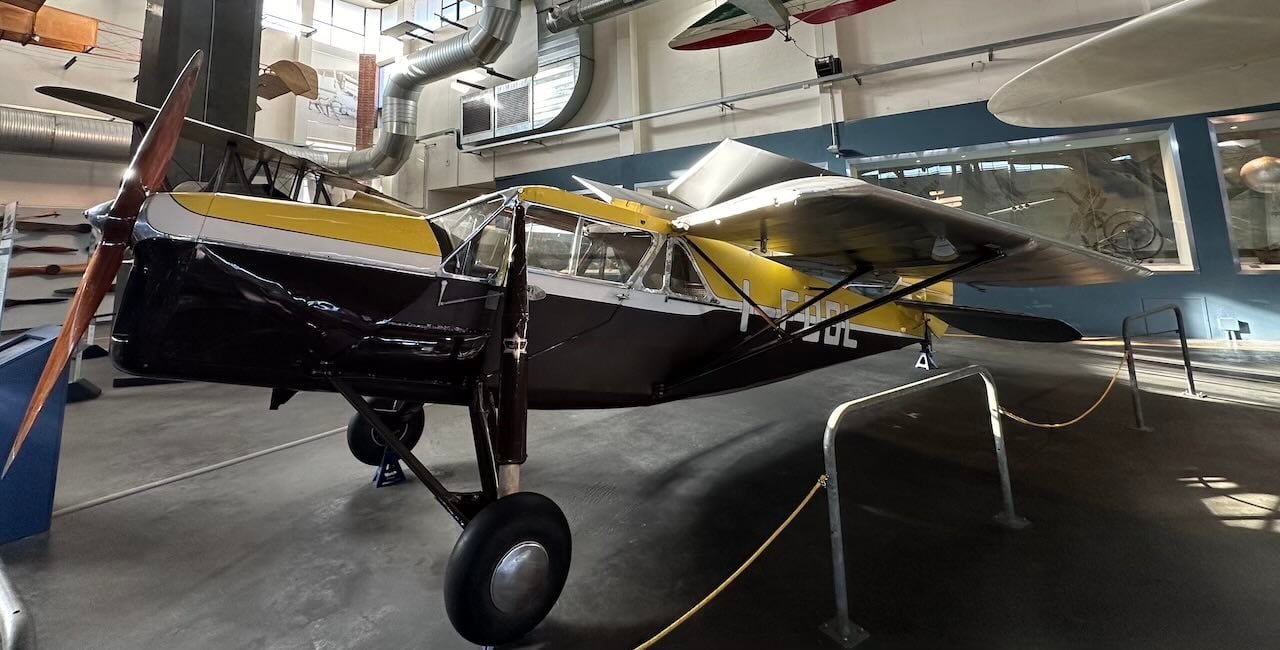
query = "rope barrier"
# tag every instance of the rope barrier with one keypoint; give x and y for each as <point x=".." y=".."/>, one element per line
<point x="821" y="483"/>
<point x="1007" y="413"/>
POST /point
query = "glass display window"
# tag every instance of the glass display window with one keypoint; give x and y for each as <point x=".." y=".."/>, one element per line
<point x="1118" y="193"/>
<point x="1248" y="148"/>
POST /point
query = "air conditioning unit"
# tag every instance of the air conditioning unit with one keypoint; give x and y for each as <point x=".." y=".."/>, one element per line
<point x="477" y="116"/>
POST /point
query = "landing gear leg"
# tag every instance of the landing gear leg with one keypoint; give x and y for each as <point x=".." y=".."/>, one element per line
<point x="511" y="561"/>
<point x="509" y="565"/>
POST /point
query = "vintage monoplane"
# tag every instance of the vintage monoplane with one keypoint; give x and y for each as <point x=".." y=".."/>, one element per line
<point x="281" y="274"/>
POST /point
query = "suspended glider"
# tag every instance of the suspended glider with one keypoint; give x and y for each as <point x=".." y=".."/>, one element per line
<point x="748" y="21"/>
<point x="280" y="274"/>
<point x="1194" y="56"/>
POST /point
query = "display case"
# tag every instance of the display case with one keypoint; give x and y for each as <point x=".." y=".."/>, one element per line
<point x="1117" y="192"/>
<point x="1248" y="150"/>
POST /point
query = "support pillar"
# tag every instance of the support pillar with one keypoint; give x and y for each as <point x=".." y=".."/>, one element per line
<point x="230" y="34"/>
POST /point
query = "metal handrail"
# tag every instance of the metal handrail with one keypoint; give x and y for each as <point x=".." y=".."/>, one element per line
<point x="844" y="631"/>
<point x="17" y="632"/>
<point x="1133" y="372"/>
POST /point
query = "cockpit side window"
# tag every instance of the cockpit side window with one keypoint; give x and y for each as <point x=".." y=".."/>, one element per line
<point x="567" y="243"/>
<point x="685" y="278"/>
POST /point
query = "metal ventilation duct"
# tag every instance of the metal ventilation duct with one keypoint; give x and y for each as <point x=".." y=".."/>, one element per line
<point x="64" y="136"/>
<point x="545" y="101"/>
<point x="398" y="128"/>
<point x="584" y="12"/>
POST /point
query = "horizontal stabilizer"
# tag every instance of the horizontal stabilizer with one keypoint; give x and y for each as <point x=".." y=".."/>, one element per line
<point x="999" y="324"/>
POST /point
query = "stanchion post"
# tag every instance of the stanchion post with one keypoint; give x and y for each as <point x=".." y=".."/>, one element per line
<point x="840" y="628"/>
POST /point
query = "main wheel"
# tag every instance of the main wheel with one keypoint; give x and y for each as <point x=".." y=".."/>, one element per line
<point x="364" y="441"/>
<point x="507" y="569"/>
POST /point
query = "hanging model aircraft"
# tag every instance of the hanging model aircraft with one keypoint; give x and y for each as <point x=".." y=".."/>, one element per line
<point x="280" y="274"/>
<point x="1193" y="56"/>
<point x="748" y="21"/>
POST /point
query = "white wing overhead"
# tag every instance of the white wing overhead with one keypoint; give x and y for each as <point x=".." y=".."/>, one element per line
<point x="1194" y="56"/>
<point x="733" y="169"/>
<point x="835" y="220"/>
<point x="610" y="193"/>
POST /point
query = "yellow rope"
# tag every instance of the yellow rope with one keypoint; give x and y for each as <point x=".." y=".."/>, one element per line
<point x="1082" y="416"/>
<point x="822" y="482"/>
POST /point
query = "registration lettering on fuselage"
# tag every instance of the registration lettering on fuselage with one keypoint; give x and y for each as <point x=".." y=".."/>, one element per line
<point x="839" y="334"/>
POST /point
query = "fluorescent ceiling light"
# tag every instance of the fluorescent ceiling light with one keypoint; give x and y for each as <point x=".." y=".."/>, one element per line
<point x="288" y="26"/>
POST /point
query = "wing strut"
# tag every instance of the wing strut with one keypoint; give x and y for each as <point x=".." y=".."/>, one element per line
<point x="775" y="324"/>
<point x="854" y="312"/>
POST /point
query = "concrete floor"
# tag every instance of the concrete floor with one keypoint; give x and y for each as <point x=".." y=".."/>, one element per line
<point x="1168" y="539"/>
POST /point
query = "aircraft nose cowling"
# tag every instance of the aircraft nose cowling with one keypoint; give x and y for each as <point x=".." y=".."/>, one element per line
<point x="97" y="215"/>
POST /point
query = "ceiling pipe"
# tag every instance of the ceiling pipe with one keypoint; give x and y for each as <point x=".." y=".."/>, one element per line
<point x="583" y="12"/>
<point x="57" y="135"/>
<point x="477" y="47"/>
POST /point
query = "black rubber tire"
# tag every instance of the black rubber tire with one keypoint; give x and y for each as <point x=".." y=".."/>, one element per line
<point x="365" y="443"/>
<point x="498" y="528"/>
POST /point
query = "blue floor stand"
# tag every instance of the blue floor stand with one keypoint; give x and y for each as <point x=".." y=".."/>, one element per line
<point x="389" y="470"/>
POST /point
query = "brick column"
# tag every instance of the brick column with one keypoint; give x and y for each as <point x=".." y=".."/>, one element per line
<point x="367" y="101"/>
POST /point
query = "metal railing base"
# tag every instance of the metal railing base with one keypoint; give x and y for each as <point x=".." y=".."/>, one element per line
<point x="1011" y="522"/>
<point x="844" y="632"/>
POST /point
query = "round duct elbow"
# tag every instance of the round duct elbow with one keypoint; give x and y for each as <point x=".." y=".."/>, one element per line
<point x="64" y="136"/>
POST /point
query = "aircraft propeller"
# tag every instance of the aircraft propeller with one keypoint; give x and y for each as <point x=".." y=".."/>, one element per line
<point x="146" y="174"/>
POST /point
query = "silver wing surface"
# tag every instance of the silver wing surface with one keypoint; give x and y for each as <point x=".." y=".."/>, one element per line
<point x="843" y="222"/>
<point x="608" y="193"/>
<point x="733" y="169"/>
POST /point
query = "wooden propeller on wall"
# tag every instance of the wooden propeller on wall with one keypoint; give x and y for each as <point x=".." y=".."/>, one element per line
<point x="145" y="174"/>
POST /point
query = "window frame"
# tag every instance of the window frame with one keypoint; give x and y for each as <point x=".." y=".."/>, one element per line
<point x="668" y="245"/>
<point x="1162" y="133"/>
<point x="637" y="274"/>
<point x="499" y="279"/>
<point x="1244" y="265"/>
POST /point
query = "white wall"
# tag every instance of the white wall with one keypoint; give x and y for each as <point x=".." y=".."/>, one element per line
<point x="636" y="73"/>
<point x="64" y="183"/>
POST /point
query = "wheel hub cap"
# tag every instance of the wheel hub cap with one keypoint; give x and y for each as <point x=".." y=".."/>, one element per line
<point x="519" y="576"/>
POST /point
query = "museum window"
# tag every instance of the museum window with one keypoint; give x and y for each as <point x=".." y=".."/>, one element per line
<point x="1249" y="168"/>
<point x="456" y="10"/>
<point x="1118" y="193"/>
<point x="569" y="244"/>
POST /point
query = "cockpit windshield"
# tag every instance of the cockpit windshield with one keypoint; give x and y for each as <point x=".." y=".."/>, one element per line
<point x="474" y="239"/>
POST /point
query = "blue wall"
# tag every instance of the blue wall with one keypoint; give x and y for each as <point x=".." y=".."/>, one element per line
<point x="1216" y="290"/>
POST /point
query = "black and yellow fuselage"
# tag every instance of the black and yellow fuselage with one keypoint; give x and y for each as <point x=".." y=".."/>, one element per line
<point x="282" y="294"/>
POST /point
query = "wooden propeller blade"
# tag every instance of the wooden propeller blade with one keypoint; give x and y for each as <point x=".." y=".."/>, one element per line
<point x="45" y="226"/>
<point x="48" y="269"/>
<point x="145" y="174"/>
<point x="19" y="248"/>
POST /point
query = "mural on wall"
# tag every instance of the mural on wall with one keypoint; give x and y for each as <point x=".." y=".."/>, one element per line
<point x="336" y="101"/>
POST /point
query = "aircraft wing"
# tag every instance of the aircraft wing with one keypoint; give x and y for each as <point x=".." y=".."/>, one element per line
<point x="206" y="134"/>
<point x="1194" y="56"/>
<point x="840" y="221"/>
